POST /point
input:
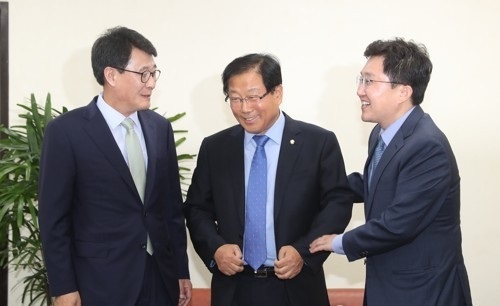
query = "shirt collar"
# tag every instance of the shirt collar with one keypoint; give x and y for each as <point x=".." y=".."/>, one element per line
<point x="113" y="117"/>
<point x="275" y="132"/>
<point x="388" y="134"/>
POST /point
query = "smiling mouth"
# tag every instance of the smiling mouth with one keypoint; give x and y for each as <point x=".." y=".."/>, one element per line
<point x="250" y="118"/>
<point x="364" y="103"/>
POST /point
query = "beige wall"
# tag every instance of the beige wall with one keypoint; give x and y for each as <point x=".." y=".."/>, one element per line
<point x="320" y="44"/>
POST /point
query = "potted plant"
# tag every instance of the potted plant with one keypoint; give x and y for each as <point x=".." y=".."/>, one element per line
<point x="20" y="150"/>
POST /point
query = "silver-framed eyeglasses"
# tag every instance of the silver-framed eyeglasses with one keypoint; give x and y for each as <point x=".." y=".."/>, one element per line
<point x="145" y="75"/>
<point x="253" y="99"/>
<point x="361" y="80"/>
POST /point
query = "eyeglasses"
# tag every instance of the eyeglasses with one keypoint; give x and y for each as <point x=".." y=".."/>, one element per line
<point x="361" y="80"/>
<point x="249" y="100"/>
<point x="144" y="75"/>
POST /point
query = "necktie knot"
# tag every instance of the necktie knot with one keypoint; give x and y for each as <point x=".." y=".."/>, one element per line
<point x="128" y="124"/>
<point x="260" y="140"/>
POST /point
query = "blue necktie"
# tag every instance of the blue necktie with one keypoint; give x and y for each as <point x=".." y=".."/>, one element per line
<point x="255" y="218"/>
<point x="379" y="150"/>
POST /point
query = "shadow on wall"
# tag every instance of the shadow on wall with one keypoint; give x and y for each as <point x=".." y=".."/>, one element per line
<point x="77" y="77"/>
<point x="343" y="115"/>
<point x="339" y="272"/>
<point x="197" y="267"/>
<point x="341" y="112"/>
<point x="341" y="108"/>
<point x="210" y="112"/>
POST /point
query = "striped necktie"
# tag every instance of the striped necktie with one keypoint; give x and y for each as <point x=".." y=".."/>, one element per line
<point x="379" y="150"/>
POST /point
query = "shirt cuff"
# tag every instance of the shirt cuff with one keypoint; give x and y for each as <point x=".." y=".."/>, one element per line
<point x="337" y="246"/>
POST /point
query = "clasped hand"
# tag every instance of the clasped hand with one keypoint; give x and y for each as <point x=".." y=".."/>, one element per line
<point x="229" y="259"/>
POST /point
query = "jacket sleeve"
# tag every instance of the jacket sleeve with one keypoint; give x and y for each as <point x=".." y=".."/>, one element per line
<point x="56" y="181"/>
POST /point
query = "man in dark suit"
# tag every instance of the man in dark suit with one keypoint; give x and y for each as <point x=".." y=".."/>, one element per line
<point x="109" y="236"/>
<point x="306" y="194"/>
<point x="410" y="187"/>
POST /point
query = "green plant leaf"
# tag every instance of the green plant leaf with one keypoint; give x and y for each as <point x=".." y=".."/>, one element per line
<point x="47" y="110"/>
<point x="176" y="117"/>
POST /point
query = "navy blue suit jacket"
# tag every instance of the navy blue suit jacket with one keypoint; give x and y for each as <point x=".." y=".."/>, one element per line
<point x="412" y="237"/>
<point x="312" y="198"/>
<point x="92" y="221"/>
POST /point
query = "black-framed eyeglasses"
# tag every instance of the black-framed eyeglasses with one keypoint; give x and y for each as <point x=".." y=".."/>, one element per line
<point x="145" y="75"/>
<point x="361" y="80"/>
<point x="249" y="100"/>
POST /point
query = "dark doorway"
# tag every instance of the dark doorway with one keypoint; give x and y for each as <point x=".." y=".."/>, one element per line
<point x="4" y="113"/>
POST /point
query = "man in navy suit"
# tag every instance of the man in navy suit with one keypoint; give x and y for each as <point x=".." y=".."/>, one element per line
<point x="105" y="241"/>
<point x="412" y="239"/>
<point x="307" y="195"/>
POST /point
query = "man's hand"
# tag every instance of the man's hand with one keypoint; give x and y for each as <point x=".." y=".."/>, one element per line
<point x="323" y="243"/>
<point x="229" y="259"/>
<point x="68" y="299"/>
<point x="185" y="291"/>
<point x="289" y="263"/>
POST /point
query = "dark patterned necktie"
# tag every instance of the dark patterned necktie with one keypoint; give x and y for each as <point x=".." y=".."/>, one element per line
<point x="379" y="150"/>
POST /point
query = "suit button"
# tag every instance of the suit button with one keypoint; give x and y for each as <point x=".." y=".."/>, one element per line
<point x="143" y="246"/>
<point x="145" y="214"/>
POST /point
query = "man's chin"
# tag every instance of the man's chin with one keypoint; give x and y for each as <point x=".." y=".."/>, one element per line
<point x="250" y="129"/>
<point x="366" y="119"/>
<point x="145" y="105"/>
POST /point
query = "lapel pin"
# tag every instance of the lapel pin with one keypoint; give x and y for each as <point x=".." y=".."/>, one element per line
<point x="292" y="141"/>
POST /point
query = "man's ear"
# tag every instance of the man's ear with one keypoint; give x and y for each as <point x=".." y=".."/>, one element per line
<point x="278" y="91"/>
<point x="406" y="93"/>
<point x="110" y="76"/>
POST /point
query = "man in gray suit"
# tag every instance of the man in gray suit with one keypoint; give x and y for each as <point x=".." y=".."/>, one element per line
<point x="410" y="187"/>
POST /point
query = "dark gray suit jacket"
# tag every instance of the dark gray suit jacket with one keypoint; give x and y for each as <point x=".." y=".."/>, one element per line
<point x="412" y="237"/>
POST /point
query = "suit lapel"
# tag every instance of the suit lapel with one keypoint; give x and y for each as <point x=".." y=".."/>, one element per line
<point x="152" y="141"/>
<point x="394" y="146"/>
<point x="291" y="145"/>
<point x="372" y="143"/>
<point x="236" y="170"/>
<point x="99" y="133"/>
